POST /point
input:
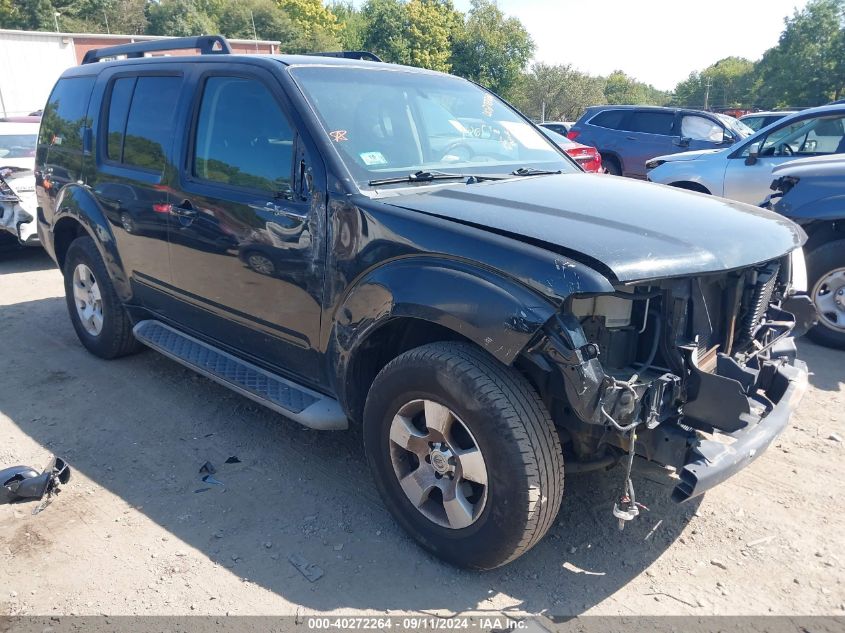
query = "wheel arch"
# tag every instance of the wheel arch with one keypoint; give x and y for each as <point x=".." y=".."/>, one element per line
<point x="690" y="185"/>
<point x="411" y="303"/>
<point x="77" y="215"/>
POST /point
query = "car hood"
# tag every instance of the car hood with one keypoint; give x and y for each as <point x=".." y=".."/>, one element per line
<point x="635" y="229"/>
<point x="828" y="165"/>
<point x="694" y="155"/>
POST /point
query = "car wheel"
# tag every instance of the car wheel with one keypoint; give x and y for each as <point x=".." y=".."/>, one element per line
<point x="100" y="320"/>
<point x="611" y="165"/>
<point x="826" y="275"/>
<point x="464" y="454"/>
<point x="261" y="264"/>
<point x="128" y="223"/>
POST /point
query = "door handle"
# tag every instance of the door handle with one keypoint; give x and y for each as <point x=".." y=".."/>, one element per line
<point x="185" y="209"/>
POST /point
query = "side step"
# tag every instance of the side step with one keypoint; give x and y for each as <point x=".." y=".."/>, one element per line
<point x="298" y="403"/>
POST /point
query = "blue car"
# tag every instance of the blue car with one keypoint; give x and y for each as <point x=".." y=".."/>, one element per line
<point x="628" y="136"/>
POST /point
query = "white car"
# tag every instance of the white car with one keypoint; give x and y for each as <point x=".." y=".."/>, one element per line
<point x="17" y="181"/>
<point x="744" y="171"/>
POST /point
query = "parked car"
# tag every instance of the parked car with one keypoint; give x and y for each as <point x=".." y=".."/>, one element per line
<point x="560" y="127"/>
<point x="628" y="136"/>
<point x="17" y="181"/>
<point x="811" y="192"/>
<point x="586" y="156"/>
<point x="758" y="120"/>
<point x="482" y="317"/>
<point x="744" y="172"/>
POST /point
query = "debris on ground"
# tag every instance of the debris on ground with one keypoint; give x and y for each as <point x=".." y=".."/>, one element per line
<point x="835" y="437"/>
<point x="208" y="469"/>
<point x="718" y="563"/>
<point x="211" y="480"/>
<point x="233" y="460"/>
<point x="24" y="483"/>
<point x="311" y="571"/>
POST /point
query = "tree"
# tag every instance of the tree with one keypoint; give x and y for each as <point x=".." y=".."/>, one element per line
<point x="352" y="25"/>
<point x="384" y="30"/>
<point x="807" y="67"/>
<point x="558" y="93"/>
<point x="178" y="17"/>
<point x="317" y="27"/>
<point x="430" y="27"/>
<point x="731" y="84"/>
<point x="620" y="88"/>
<point x="491" y="49"/>
<point x="235" y="18"/>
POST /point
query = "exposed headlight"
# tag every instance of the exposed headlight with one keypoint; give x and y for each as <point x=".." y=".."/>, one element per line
<point x="651" y="164"/>
<point x="798" y="283"/>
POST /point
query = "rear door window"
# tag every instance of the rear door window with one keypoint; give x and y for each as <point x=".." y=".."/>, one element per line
<point x="611" y="119"/>
<point x="141" y="125"/>
<point x="652" y="122"/>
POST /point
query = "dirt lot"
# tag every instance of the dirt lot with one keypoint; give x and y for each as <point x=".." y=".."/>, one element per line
<point x="137" y="532"/>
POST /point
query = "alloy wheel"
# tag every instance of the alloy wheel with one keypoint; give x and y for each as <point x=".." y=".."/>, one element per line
<point x="829" y="297"/>
<point x="89" y="303"/>
<point x="438" y="464"/>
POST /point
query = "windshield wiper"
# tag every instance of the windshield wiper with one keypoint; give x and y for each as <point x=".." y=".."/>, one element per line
<point x="430" y="176"/>
<point x="531" y="171"/>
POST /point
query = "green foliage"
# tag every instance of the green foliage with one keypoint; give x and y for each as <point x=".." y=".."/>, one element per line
<point x="807" y="67"/>
<point x="557" y="93"/>
<point x="316" y="27"/>
<point x="352" y="25"/>
<point x="731" y="83"/>
<point x="622" y="89"/>
<point x="384" y="30"/>
<point x="179" y="18"/>
<point x="491" y="49"/>
<point x="235" y="19"/>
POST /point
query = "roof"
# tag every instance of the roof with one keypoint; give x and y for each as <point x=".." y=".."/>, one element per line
<point x="768" y="113"/>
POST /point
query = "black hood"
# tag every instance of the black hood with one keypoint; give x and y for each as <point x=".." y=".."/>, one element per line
<point x="638" y="230"/>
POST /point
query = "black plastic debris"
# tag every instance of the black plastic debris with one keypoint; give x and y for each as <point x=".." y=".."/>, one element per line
<point x="233" y="460"/>
<point x="23" y="483"/>
<point x="311" y="571"/>
<point x="211" y="480"/>
<point x="208" y="468"/>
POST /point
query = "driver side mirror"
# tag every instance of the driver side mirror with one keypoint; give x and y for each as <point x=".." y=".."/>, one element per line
<point x="683" y="141"/>
<point x="753" y="154"/>
<point x="727" y="138"/>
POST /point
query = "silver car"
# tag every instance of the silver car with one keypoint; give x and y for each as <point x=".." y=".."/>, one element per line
<point x="744" y="171"/>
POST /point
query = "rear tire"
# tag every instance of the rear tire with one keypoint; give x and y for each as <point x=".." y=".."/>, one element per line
<point x="485" y="407"/>
<point x="611" y="165"/>
<point x="826" y="281"/>
<point x="97" y="315"/>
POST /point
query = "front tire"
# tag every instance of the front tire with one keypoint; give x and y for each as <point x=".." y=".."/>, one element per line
<point x="826" y="277"/>
<point x="464" y="454"/>
<point x="611" y="165"/>
<point x="97" y="315"/>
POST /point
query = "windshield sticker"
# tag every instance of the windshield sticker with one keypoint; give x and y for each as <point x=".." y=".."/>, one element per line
<point x="373" y="158"/>
<point x="487" y="105"/>
<point x="338" y="135"/>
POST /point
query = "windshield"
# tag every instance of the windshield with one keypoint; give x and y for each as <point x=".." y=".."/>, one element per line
<point x="735" y="125"/>
<point x="17" y="145"/>
<point x="391" y="123"/>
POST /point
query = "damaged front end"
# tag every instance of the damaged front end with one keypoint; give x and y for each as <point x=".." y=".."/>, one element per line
<point x="18" y="204"/>
<point x="697" y="373"/>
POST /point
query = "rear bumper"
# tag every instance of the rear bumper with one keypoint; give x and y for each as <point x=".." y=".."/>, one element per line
<point x="782" y="383"/>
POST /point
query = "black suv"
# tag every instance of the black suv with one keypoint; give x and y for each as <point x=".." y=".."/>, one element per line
<point x="354" y="242"/>
<point x="628" y="136"/>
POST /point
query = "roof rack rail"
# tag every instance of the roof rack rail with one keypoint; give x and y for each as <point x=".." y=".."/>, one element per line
<point x="206" y="44"/>
<point x="362" y="55"/>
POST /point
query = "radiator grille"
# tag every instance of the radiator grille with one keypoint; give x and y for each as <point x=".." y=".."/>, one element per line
<point x="760" y="295"/>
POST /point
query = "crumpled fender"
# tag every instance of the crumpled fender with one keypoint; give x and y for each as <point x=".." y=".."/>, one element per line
<point x="74" y="201"/>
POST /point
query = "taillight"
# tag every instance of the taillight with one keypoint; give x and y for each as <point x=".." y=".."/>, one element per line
<point x="573" y="134"/>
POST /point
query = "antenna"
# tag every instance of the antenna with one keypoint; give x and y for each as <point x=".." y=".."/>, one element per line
<point x="254" y="34"/>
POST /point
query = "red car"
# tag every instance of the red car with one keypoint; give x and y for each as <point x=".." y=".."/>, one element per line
<point x="586" y="156"/>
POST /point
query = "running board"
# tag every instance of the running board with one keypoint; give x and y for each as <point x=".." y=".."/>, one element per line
<point x="298" y="403"/>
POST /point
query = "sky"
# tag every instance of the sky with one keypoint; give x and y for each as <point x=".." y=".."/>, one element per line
<point x="656" y="41"/>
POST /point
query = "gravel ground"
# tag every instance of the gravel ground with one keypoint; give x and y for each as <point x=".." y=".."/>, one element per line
<point x="137" y="532"/>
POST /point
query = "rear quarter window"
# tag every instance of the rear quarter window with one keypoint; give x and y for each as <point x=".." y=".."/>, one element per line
<point x="65" y="114"/>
